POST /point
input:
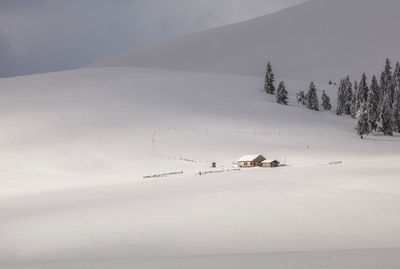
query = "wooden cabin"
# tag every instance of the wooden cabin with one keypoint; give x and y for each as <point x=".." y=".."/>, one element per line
<point x="250" y="161"/>
<point x="270" y="163"/>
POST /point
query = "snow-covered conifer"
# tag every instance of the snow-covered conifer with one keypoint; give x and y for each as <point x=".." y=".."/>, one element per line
<point x="382" y="87"/>
<point x="362" y="127"/>
<point x="396" y="107"/>
<point x="396" y="78"/>
<point x="373" y="104"/>
<point x="387" y="86"/>
<point x="282" y="94"/>
<point x="301" y="98"/>
<point x="348" y="96"/>
<point x="386" y="115"/>
<point x="354" y="100"/>
<point x="269" y="80"/>
<point x="396" y="74"/>
<point x="326" y="101"/>
<point x="312" y="98"/>
<point x="362" y="93"/>
<point x="340" y="98"/>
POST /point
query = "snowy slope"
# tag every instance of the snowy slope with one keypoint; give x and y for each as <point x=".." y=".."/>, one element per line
<point x="75" y="146"/>
<point x="318" y="40"/>
<point x="99" y="123"/>
<point x="285" y="218"/>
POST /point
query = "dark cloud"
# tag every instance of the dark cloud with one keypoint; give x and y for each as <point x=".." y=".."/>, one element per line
<point x="50" y="35"/>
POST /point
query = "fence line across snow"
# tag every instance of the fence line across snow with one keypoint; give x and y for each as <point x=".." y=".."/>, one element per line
<point x="164" y="175"/>
<point x="217" y="171"/>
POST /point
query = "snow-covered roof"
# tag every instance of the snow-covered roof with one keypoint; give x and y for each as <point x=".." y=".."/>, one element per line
<point x="270" y="161"/>
<point x="249" y="158"/>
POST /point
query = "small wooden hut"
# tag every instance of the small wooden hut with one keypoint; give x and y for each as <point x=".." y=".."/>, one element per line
<point x="250" y="161"/>
<point x="270" y="163"/>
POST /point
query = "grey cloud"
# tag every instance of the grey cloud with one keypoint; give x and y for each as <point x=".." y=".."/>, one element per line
<point x="43" y="35"/>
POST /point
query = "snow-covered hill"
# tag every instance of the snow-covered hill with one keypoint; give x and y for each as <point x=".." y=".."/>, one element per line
<point x="75" y="145"/>
<point x="97" y="124"/>
<point x="318" y="40"/>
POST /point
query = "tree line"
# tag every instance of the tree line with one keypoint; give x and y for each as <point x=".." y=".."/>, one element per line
<point x="309" y="100"/>
<point x="375" y="106"/>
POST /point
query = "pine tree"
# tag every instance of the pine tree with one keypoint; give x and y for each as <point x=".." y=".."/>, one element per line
<point x="382" y="87"/>
<point x="301" y="98"/>
<point x="396" y="78"/>
<point x="362" y="127"/>
<point x="282" y="94"/>
<point x="396" y="107"/>
<point x="373" y="104"/>
<point x="362" y="93"/>
<point x="269" y="80"/>
<point x="326" y="101"/>
<point x="312" y="98"/>
<point x="348" y="96"/>
<point x="340" y="98"/>
<point x="396" y="74"/>
<point x="386" y="115"/>
<point x="387" y="84"/>
<point x="354" y="101"/>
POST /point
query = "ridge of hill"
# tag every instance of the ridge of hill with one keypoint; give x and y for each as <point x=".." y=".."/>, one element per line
<point x="317" y="40"/>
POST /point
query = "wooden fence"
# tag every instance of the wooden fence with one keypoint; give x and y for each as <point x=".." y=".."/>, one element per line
<point x="164" y="175"/>
<point x="203" y="173"/>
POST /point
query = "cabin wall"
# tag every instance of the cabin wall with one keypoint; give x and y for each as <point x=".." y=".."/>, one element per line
<point x="246" y="164"/>
<point x="257" y="162"/>
<point x="270" y="165"/>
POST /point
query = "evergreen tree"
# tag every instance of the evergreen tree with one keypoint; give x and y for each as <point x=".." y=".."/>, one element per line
<point x="382" y="87"/>
<point x="396" y="78"/>
<point x="348" y="96"/>
<point x="396" y="107"/>
<point x="269" y="80"/>
<point x="396" y="74"/>
<point x="362" y="93"/>
<point x="354" y="101"/>
<point x="282" y="94"/>
<point x="301" y="98"/>
<point x="326" y="101"/>
<point x="387" y="85"/>
<point x="340" y="98"/>
<point x="386" y="115"/>
<point x="373" y="104"/>
<point x="362" y="127"/>
<point x="312" y="98"/>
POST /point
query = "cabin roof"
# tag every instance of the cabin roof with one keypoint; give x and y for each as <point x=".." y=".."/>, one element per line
<point x="270" y="161"/>
<point x="249" y="158"/>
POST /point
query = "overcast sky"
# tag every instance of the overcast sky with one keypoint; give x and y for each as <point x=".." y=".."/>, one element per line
<point x="50" y="35"/>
